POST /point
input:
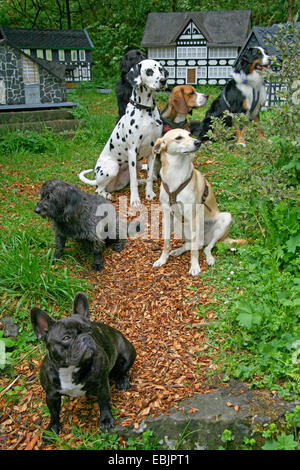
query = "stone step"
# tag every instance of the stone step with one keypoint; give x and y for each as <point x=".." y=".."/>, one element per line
<point x="198" y="422"/>
<point x="35" y="116"/>
<point x="61" y="125"/>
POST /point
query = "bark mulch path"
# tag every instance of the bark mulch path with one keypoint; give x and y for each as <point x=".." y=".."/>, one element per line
<point x="156" y="309"/>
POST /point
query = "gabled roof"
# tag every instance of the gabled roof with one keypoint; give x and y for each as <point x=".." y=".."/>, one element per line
<point x="261" y="36"/>
<point x="47" y="38"/>
<point x="55" y="68"/>
<point x="228" y="28"/>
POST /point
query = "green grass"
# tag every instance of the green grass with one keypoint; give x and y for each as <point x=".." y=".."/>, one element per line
<point x="255" y="334"/>
<point x="257" y="287"/>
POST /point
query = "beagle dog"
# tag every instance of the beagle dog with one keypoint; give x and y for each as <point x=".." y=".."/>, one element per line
<point x="187" y="200"/>
<point x="182" y="101"/>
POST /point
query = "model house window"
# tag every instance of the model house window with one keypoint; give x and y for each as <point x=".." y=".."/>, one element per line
<point x="82" y="56"/>
<point x="222" y="52"/>
<point x="40" y="53"/>
<point x="48" y="54"/>
<point x="181" y="72"/>
<point x="192" y="52"/>
<point x="26" y="51"/>
<point x="201" y="72"/>
<point x="161" y="53"/>
<point x="171" y="71"/>
<point x="61" y="55"/>
<point x="74" y="56"/>
<point x="30" y="72"/>
<point x="219" y="72"/>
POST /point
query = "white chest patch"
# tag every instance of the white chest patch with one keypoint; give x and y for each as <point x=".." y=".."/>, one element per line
<point x="68" y="387"/>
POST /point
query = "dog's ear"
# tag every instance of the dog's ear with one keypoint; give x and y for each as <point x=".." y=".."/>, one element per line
<point x="41" y="322"/>
<point x="72" y="199"/>
<point x="81" y="306"/>
<point x="177" y="100"/>
<point x="134" y="76"/>
<point x="159" y="145"/>
<point x="246" y="58"/>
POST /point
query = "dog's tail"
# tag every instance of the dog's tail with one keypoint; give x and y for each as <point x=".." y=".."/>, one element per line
<point x="86" y="180"/>
<point x="238" y="242"/>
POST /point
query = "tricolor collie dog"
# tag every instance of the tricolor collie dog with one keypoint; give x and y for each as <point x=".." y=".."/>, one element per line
<point x="133" y="138"/>
<point x="183" y="190"/>
<point x="244" y="93"/>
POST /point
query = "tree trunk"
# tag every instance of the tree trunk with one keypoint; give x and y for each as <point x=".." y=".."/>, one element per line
<point x="291" y="11"/>
<point x="68" y="14"/>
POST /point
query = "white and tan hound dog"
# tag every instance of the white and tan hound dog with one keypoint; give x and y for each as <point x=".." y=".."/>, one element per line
<point x="183" y="190"/>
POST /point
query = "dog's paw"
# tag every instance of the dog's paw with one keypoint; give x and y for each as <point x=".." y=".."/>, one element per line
<point x="97" y="267"/>
<point x="49" y="433"/>
<point x="160" y="262"/>
<point x="195" y="270"/>
<point x="150" y="196"/>
<point x="104" y="194"/>
<point x="210" y="260"/>
<point x="118" y="246"/>
<point x="106" y="423"/>
<point x="123" y="383"/>
<point x="135" y="203"/>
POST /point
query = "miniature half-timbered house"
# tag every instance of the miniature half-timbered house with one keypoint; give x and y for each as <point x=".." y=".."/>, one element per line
<point x="264" y="37"/>
<point x="71" y="48"/>
<point x="196" y="47"/>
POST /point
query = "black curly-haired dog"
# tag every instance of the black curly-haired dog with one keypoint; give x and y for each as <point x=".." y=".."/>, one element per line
<point x="124" y="88"/>
<point x="80" y="216"/>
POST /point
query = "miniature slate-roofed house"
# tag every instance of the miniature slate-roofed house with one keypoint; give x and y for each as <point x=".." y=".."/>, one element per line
<point x="71" y="48"/>
<point x="27" y="81"/>
<point x="196" y="47"/>
<point x="264" y="37"/>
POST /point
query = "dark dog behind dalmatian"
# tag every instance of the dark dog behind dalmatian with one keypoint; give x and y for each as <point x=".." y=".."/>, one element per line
<point x="81" y="358"/>
<point x="124" y="88"/>
<point x="74" y="215"/>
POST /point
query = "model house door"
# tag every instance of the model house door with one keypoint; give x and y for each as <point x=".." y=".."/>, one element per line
<point x="31" y="79"/>
<point x="191" y="76"/>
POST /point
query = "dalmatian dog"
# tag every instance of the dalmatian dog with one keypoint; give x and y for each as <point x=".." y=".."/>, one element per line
<point x="133" y="137"/>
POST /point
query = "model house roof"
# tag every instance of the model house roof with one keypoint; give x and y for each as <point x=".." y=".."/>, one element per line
<point x="47" y="38"/>
<point x="264" y="36"/>
<point x="220" y="28"/>
<point x="55" y="68"/>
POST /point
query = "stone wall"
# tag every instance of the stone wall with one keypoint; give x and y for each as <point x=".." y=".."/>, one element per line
<point x="52" y="89"/>
<point x="11" y="74"/>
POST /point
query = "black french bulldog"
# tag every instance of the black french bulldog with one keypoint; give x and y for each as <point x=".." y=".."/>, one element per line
<point x="81" y="356"/>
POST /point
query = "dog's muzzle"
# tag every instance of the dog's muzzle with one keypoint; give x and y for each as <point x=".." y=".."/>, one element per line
<point x="82" y="350"/>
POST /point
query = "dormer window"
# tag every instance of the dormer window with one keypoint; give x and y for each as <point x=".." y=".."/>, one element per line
<point x="61" y="55"/>
<point x="82" y="55"/>
<point x="74" y="56"/>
